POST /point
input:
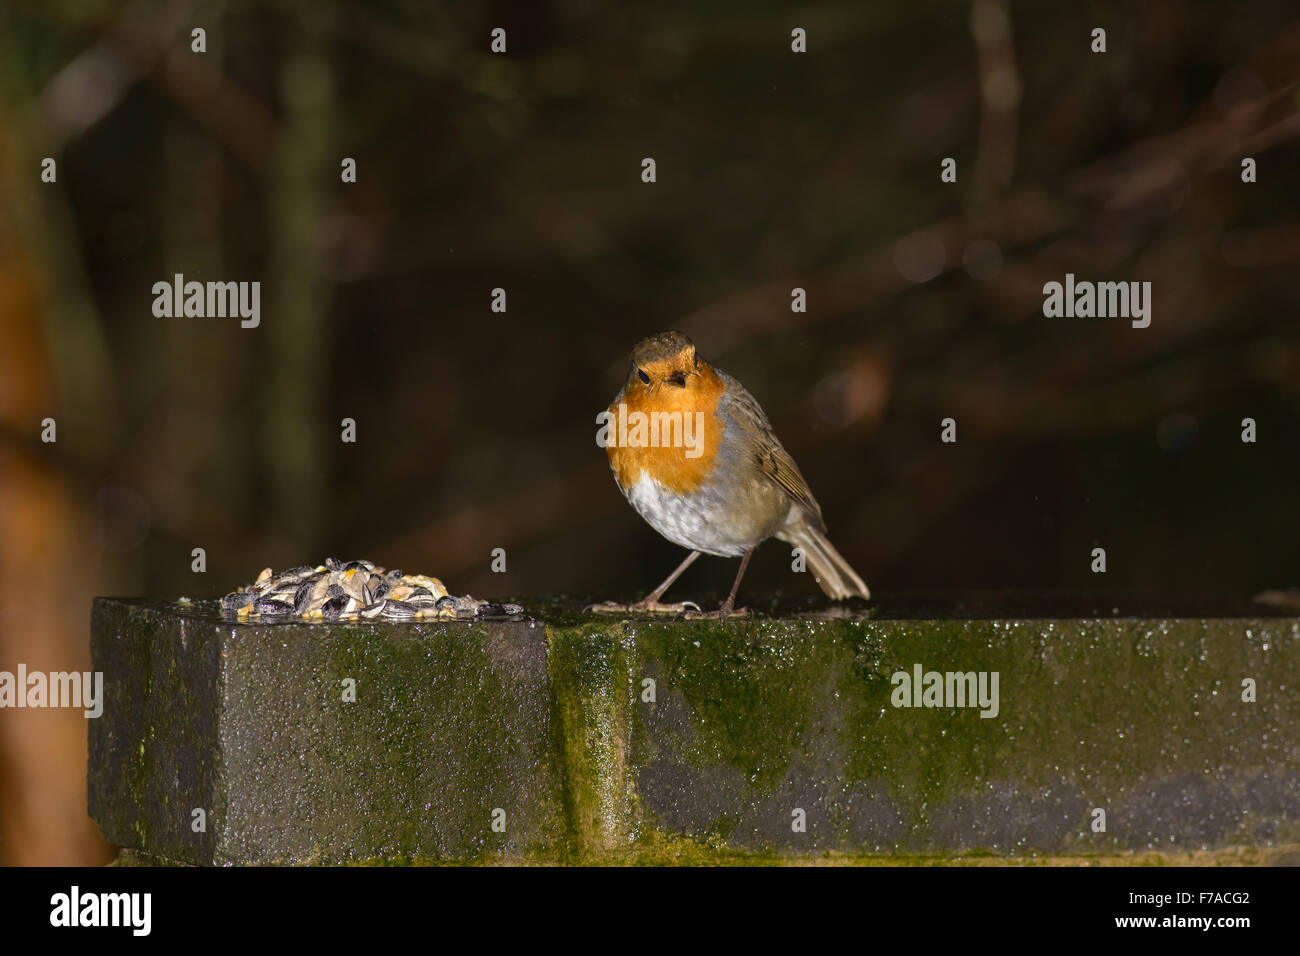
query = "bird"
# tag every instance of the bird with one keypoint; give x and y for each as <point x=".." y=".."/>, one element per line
<point x="721" y="484"/>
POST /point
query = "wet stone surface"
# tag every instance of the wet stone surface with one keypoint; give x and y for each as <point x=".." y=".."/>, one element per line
<point x="818" y="732"/>
<point x="251" y="723"/>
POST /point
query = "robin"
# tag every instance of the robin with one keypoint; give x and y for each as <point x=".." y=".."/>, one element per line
<point x="693" y="453"/>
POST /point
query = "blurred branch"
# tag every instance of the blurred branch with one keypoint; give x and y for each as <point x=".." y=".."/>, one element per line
<point x="145" y="41"/>
<point x="296" y="325"/>
<point x="243" y="124"/>
<point x="74" y="337"/>
<point x="999" y="94"/>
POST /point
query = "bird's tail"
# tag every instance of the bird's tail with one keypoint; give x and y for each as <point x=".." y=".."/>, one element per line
<point x="836" y="577"/>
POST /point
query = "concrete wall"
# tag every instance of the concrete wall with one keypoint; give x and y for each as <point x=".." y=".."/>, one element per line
<point x="579" y="739"/>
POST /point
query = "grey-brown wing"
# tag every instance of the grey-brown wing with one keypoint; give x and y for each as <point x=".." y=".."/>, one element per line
<point x="755" y="433"/>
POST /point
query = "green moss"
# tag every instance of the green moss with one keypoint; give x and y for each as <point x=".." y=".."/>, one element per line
<point x="588" y="676"/>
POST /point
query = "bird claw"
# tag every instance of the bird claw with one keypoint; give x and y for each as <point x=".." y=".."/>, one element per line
<point x="654" y="607"/>
<point x="642" y="607"/>
<point x="718" y="615"/>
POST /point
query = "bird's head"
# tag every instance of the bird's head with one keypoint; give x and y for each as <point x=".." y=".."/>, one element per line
<point x="664" y="360"/>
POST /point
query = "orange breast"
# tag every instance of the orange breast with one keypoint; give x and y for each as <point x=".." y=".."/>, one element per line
<point x="672" y="466"/>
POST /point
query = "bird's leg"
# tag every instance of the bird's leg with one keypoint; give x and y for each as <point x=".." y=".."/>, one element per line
<point x="651" y="601"/>
<point x="728" y="608"/>
<point x="653" y="597"/>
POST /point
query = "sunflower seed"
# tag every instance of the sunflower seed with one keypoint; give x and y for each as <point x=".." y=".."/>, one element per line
<point x="334" y="607"/>
<point x="234" y="601"/>
<point x="351" y="591"/>
<point x="302" y="597"/>
<point x="398" y="610"/>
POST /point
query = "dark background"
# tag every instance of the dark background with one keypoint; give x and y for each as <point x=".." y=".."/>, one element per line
<point x="522" y="171"/>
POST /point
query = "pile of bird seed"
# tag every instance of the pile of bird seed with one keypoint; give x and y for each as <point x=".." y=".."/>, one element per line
<point x="351" y="591"/>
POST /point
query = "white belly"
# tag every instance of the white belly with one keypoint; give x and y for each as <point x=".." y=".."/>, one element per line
<point x="684" y="520"/>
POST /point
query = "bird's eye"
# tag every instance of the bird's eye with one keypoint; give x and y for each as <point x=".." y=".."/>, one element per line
<point x="644" y="377"/>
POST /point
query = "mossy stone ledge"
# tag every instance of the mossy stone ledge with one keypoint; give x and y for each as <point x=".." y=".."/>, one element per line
<point x="1121" y="730"/>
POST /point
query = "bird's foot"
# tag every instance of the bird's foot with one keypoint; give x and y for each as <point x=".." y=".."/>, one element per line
<point x="721" y="614"/>
<point x="643" y="607"/>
